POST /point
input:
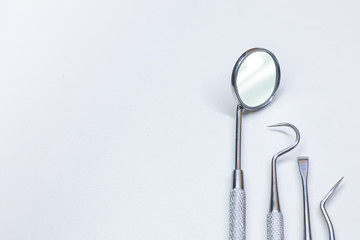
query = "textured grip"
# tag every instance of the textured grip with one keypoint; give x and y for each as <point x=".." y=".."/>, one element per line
<point x="275" y="226"/>
<point x="237" y="214"/>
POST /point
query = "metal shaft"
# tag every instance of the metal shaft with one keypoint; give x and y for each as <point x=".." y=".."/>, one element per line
<point x="237" y="196"/>
<point x="238" y="137"/>
<point x="307" y="230"/>
<point x="238" y="177"/>
<point x="304" y="169"/>
<point x="274" y="202"/>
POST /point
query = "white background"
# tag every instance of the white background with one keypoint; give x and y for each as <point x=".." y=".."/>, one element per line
<point x="117" y="119"/>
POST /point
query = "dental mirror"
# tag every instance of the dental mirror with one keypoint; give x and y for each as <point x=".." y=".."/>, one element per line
<point x="255" y="80"/>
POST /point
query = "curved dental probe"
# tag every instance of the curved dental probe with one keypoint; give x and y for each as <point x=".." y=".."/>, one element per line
<point x="275" y="222"/>
<point x="275" y="205"/>
<point x="323" y="210"/>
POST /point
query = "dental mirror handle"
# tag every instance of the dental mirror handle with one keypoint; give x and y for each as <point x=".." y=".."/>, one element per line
<point x="237" y="214"/>
<point x="237" y="194"/>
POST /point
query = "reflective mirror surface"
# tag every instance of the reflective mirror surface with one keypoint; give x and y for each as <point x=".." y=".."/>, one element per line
<point x="256" y="78"/>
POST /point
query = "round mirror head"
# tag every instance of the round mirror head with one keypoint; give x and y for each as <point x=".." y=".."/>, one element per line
<point x="255" y="78"/>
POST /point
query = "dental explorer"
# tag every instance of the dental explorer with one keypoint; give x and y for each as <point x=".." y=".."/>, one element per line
<point x="326" y="215"/>
<point x="275" y="221"/>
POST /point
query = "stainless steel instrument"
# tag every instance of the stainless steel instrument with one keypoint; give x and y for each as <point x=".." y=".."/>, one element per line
<point x="304" y="168"/>
<point x="275" y="221"/>
<point x="255" y="80"/>
<point x="326" y="215"/>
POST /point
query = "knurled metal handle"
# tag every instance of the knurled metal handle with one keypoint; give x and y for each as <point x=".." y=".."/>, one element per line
<point x="237" y="214"/>
<point x="275" y="226"/>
